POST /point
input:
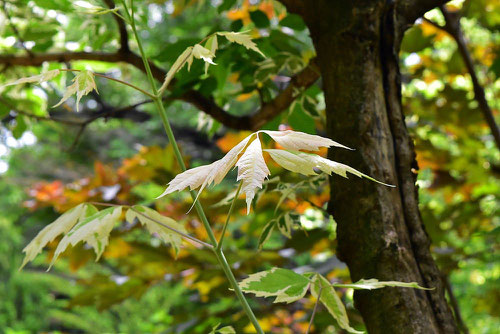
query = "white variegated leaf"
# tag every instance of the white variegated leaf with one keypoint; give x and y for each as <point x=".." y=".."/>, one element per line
<point x="331" y="301"/>
<point x="252" y="170"/>
<point x="46" y="76"/>
<point x="284" y="284"/>
<point x="151" y="219"/>
<point x="60" y="226"/>
<point x="296" y="141"/>
<point x="93" y="229"/>
<point x="83" y="83"/>
<point x="241" y="38"/>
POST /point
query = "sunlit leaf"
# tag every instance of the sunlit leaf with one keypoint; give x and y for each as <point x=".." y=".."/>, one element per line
<point x="252" y="170"/>
<point x="206" y="175"/>
<point x="304" y="163"/>
<point x="192" y="178"/>
<point x="296" y="141"/>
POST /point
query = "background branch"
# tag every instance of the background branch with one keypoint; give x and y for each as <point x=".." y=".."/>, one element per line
<point x="453" y="28"/>
<point x="122" y="28"/>
<point x="303" y="80"/>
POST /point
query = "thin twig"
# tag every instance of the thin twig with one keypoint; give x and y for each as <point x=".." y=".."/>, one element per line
<point x="219" y="244"/>
<point x="114" y="79"/>
<point x="182" y="234"/>
<point x="314" y="310"/>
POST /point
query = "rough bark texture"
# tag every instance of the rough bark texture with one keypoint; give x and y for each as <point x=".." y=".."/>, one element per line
<point x="380" y="231"/>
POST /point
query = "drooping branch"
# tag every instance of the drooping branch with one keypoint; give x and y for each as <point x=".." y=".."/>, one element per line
<point x="453" y="28"/>
<point x="268" y="111"/>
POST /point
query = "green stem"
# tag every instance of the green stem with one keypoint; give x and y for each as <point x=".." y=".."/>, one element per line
<point x="219" y="246"/>
<point x="218" y="252"/>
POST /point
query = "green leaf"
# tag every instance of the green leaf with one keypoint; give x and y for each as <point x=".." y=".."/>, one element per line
<point x="331" y="301"/>
<point x="226" y="5"/>
<point x="260" y="19"/>
<point x="223" y="330"/>
<point x="153" y="221"/>
<point x="266" y="233"/>
<point x="286" y="285"/>
<point x="294" y="22"/>
<point x="285" y="225"/>
<point x="415" y="41"/>
<point x="373" y="283"/>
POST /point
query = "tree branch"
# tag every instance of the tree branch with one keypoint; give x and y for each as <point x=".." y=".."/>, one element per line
<point x="14" y="29"/>
<point x="268" y="111"/>
<point x="453" y="28"/>
<point x="410" y="10"/>
<point x="122" y="28"/>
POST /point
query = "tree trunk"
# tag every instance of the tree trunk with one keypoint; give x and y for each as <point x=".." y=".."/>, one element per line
<point x="380" y="232"/>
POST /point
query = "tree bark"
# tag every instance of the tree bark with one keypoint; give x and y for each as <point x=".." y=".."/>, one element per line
<point x="380" y="231"/>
